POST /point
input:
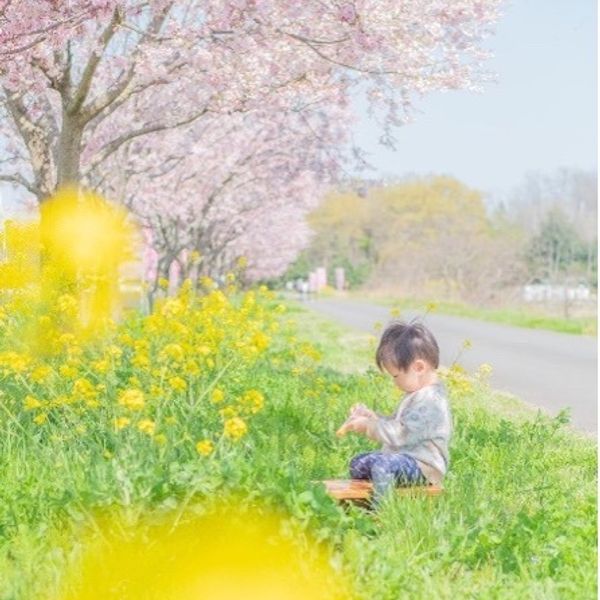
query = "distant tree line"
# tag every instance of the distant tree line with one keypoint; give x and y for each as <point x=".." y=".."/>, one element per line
<point x="435" y="235"/>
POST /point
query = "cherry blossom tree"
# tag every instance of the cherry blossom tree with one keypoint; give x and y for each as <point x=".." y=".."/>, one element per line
<point x="248" y="187"/>
<point x="216" y="122"/>
<point x="81" y="79"/>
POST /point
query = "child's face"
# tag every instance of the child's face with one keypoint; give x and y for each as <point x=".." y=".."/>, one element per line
<point x="410" y="379"/>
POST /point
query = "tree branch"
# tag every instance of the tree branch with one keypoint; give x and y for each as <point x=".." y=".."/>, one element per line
<point x="113" y="146"/>
<point x="88" y="74"/>
<point x="18" y="179"/>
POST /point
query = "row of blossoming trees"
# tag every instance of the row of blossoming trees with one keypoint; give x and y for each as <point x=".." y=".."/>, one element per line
<point x="217" y="123"/>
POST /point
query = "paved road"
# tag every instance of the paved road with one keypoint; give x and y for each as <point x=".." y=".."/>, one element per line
<point x="547" y="369"/>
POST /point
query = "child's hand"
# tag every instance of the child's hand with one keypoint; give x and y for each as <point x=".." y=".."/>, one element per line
<point x="356" y="424"/>
<point x="360" y="410"/>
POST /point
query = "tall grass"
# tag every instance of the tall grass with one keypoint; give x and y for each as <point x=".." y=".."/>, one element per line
<point x="517" y="518"/>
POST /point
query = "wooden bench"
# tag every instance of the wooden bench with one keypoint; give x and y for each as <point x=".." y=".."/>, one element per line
<point x="359" y="491"/>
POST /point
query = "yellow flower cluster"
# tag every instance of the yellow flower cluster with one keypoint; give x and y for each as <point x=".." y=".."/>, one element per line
<point x="132" y="399"/>
<point x="204" y="447"/>
<point x="253" y="401"/>
<point x="165" y="370"/>
<point x="235" y="428"/>
<point x="458" y="381"/>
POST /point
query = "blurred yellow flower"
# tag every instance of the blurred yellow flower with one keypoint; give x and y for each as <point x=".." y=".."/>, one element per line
<point x="253" y="400"/>
<point x="132" y="399"/>
<point x="40" y="374"/>
<point x="228" y="412"/>
<point x="31" y="403"/>
<point x="146" y="426"/>
<point x="68" y="305"/>
<point x="178" y="384"/>
<point x="100" y="366"/>
<point x="207" y="282"/>
<point x="231" y="554"/>
<point x="235" y="428"/>
<point x="172" y="352"/>
<point x="172" y="307"/>
<point x="40" y="419"/>
<point x="114" y="351"/>
<point x="191" y="368"/>
<point x="67" y="371"/>
<point x="121" y="422"/>
<point x="217" y="396"/>
<point x="205" y="447"/>
<point x="431" y="307"/>
<point x="84" y="387"/>
<point x="484" y="371"/>
<point x="260" y="341"/>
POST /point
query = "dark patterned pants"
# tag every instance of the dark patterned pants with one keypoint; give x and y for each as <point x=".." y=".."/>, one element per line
<point x="386" y="470"/>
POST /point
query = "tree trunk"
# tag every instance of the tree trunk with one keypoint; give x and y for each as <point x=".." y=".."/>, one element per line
<point x="69" y="151"/>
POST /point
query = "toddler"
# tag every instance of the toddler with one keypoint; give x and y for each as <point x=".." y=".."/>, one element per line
<point x="415" y="438"/>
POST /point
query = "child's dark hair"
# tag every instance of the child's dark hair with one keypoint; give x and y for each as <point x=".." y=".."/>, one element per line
<point x="402" y="343"/>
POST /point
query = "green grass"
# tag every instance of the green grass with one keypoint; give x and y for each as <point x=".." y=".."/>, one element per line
<point x="517" y="519"/>
<point x="517" y="317"/>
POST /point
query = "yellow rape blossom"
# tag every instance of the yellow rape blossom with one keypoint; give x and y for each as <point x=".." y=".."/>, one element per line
<point x="114" y="351"/>
<point x="147" y="426"/>
<point x="205" y="447"/>
<point x="84" y="387"/>
<point x="67" y="371"/>
<point x="40" y="419"/>
<point x="140" y="360"/>
<point x="228" y="412"/>
<point x="217" y="396"/>
<point x="235" y="428"/>
<point x="191" y="368"/>
<point x="133" y="399"/>
<point x="260" y="341"/>
<point x="207" y="282"/>
<point x="253" y="400"/>
<point x="100" y="366"/>
<point x="14" y="362"/>
<point x="178" y="384"/>
<point x="40" y="374"/>
<point x="121" y="423"/>
<point x="172" y="352"/>
<point x="68" y="305"/>
<point x="172" y="308"/>
<point x="31" y="403"/>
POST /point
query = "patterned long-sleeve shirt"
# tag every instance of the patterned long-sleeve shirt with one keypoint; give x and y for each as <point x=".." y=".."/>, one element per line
<point x="421" y="427"/>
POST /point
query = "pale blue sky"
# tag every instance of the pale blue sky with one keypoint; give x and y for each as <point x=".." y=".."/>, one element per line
<point x="540" y="114"/>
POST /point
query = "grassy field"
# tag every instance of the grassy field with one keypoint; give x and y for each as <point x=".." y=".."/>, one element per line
<point x="519" y="317"/>
<point x="517" y="519"/>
